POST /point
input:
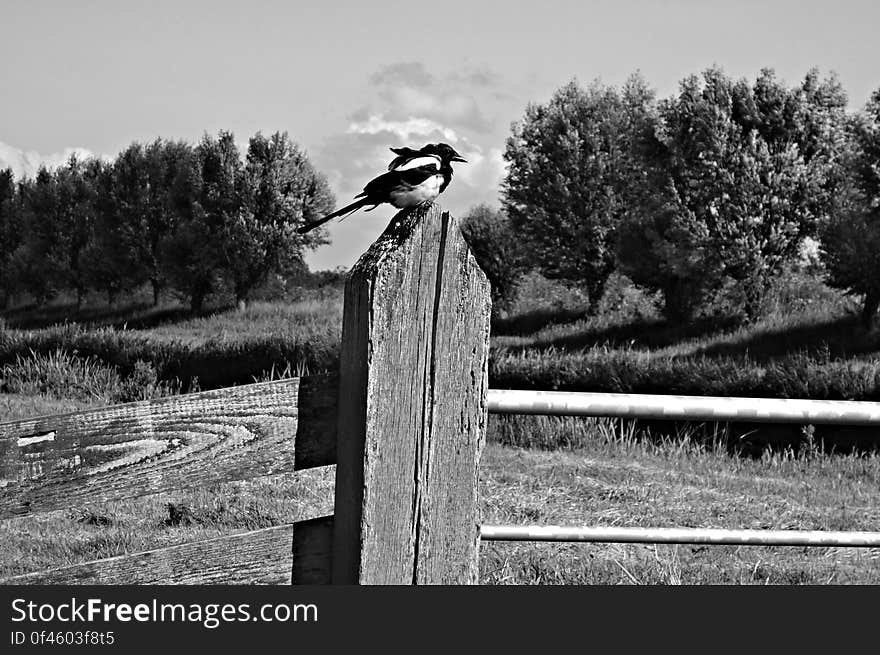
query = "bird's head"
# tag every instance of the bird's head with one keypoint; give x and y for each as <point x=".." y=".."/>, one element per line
<point x="407" y="157"/>
<point x="444" y="151"/>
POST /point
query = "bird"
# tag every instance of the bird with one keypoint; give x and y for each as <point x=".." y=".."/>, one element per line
<point x="415" y="177"/>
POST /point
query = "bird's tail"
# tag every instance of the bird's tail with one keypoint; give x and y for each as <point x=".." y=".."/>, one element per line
<point x="348" y="209"/>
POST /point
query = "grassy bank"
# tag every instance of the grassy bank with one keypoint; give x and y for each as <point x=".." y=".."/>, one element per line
<point x="814" y="353"/>
<point x="222" y="349"/>
<point x="810" y="344"/>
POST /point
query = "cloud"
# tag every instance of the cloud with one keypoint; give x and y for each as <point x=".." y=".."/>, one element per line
<point x="407" y="89"/>
<point x="405" y="130"/>
<point x="408" y="73"/>
<point x="27" y="163"/>
<point x="478" y="76"/>
<point x="486" y="171"/>
<point x="446" y="101"/>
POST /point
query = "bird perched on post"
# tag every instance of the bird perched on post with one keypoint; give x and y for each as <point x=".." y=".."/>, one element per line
<point x="414" y="177"/>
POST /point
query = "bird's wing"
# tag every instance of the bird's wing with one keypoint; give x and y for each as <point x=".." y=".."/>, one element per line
<point x="404" y="154"/>
<point x="410" y="158"/>
<point x="380" y="187"/>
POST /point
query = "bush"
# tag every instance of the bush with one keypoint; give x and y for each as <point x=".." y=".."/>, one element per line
<point x="497" y="250"/>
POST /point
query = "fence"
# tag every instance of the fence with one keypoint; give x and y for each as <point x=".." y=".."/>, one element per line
<point x="404" y="423"/>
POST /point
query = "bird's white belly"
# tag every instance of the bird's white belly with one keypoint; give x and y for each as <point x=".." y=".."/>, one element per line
<point x="416" y="195"/>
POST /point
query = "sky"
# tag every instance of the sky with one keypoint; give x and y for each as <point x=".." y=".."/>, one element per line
<point x="348" y="79"/>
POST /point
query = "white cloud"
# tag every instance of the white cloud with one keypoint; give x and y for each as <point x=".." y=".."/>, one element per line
<point x="484" y="171"/>
<point x="412" y="127"/>
<point x="447" y="101"/>
<point x="409" y="73"/>
<point x="26" y="163"/>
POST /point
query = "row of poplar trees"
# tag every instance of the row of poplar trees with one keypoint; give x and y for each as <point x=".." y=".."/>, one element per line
<point x="195" y="219"/>
<point x="714" y="187"/>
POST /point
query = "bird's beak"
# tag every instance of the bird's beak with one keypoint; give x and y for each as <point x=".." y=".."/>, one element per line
<point x="459" y="158"/>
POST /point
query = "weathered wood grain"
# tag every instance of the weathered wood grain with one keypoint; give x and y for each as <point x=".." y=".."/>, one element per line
<point x="258" y="557"/>
<point x="170" y="443"/>
<point x="412" y="407"/>
<point x="312" y="548"/>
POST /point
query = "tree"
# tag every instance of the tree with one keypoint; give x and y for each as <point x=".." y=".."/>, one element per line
<point x="569" y="177"/>
<point x="10" y="235"/>
<point x="35" y="259"/>
<point x="110" y="262"/>
<point x="851" y="237"/>
<point x="497" y="250"/>
<point x="851" y="248"/>
<point x="190" y="259"/>
<point x="736" y="177"/>
<point x="280" y="189"/>
<point x="76" y="197"/>
<point x="152" y="192"/>
<point x="209" y="200"/>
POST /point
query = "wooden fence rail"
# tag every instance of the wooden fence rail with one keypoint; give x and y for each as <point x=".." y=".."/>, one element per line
<point x="404" y="423"/>
<point x="176" y="442"/>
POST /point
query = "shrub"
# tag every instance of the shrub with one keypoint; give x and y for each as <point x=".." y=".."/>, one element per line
<point x="497" y="250"/>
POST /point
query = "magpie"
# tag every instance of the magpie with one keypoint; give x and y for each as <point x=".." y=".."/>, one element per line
<point x="414" y="177"/>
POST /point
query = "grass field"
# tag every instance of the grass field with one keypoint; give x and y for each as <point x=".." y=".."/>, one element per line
<point x="535" y="470"/>
<point x="604" y="475"/>
<point x="609" y="476"/>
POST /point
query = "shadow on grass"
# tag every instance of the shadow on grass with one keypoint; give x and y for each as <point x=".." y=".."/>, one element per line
<point x="826" y="338"/>
<point x="642" y="333"/>
<point x="754" y="440"/>
<point x="647" y="333"/>
<point x="534" y="321"/>
<point x="833" y="338"/>
<point x="134" y="315"/>
<point x="740" y="439"/>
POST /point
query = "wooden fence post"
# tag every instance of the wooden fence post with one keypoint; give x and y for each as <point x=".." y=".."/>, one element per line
<point x="412" y="407"/>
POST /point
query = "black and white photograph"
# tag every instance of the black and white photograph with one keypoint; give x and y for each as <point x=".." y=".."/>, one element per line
<point x="439" y="294"/>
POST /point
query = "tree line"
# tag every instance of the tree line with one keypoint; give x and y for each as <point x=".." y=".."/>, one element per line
<point x="714" y="187"/>
<point x="195" y="219"/>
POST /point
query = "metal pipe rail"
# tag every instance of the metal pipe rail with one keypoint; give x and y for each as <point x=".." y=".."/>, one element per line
<point x="690" y="408"/>
<point x="710" y="536"/>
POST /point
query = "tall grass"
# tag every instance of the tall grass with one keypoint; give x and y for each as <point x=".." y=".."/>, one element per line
<point x="59" y="374"/>
<point x="222" y="349"/>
